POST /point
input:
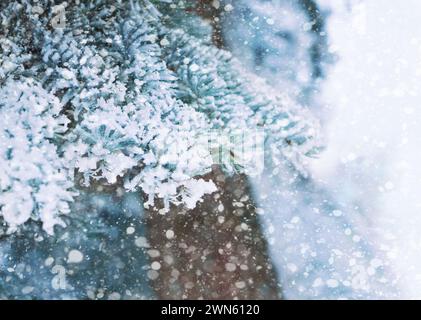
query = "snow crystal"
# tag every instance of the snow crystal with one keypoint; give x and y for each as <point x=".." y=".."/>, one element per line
<point x="75" y="256"/>
<point x="194" y="67"/>
<point x="141" y="242"/>
<point x="389" y="185"/>
<point x="152" y="274"/>
<point x="27" y="289"/>
<point x="153" y="253"/>
<point x="228" y="7"/>
<point x="164" y="42"/>
<point x="295" y="220"/>
<point x="169" y="234"/>
<point x="49" y="261"/>
<point x="317" y="283"/>
<point x="155" y="265"/>
<point x="216" y="4"/>
<point x="332" y="283"/>
<point x="337" y="213"/>
<point x="230" y="267"/>
<point x="292" y="267"/>
<point x="114" y="296"/>
<point x="240" y="284"/>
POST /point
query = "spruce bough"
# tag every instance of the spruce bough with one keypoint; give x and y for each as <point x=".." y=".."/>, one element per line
<point x="122" y="94"/>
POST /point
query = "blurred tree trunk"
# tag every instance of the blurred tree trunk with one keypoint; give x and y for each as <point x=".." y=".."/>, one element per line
<point x="212" y="12"/>
<point x="215" y="251"/>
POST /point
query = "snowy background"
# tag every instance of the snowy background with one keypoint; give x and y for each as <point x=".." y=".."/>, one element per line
<point x="372" y="108"/>
<point x="368" y="102"/>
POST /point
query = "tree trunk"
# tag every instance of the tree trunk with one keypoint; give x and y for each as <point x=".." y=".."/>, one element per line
<point x="215" y="251"/>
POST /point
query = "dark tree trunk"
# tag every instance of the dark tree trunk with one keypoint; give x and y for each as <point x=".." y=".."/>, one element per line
<point x="216" y="251"/>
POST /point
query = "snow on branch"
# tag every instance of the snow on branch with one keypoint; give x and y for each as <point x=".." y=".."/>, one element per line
<point x="121" y="93"/>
